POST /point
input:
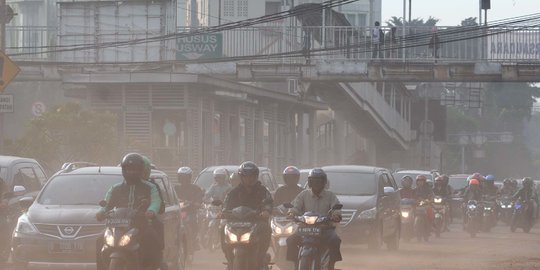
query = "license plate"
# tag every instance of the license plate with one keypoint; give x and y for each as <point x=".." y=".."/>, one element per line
<point x="117" y="222"/>
<point x="65" y="247"/>
<point x="281" y="219"/>
<point x="313" y="231"/>
<point x="282" y="242"/>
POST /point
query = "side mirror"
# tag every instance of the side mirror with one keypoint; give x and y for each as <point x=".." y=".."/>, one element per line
<point x="288" y="205"/>
<point x="26" y="202"/>
<point x="18" y="191"/>
<point x="103" y="203"/>
<point x="217" y="202"/>
<point x="389" y="191"/>
<point x="337" y="207"/>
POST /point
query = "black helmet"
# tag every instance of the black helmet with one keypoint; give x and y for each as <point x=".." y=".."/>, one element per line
<point x="133" y="167"/>
<point x="527" y="182"/>
<point x="316" y="175"/>
<point x="291" y="175"/>
<point x="248" y="168"/>
<point x="507" y="182"/>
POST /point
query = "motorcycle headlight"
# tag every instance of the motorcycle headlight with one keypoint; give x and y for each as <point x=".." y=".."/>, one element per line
<point x="472" y="206"/>
<point x="487" y="208"/>
<point x="24" y="225"/>
<point x="368" y="214"/>
<point x="405" y="214"/>
<point x="109" y="238"/>
<point x="245" y="237"/>
<point x="310" y="220"/>
<point x="289" y="230"/>
<point x="278" y="230"/>
<point x="126" y="238"/>
<point x="232" y="237"/>
<point x="437" y="200"/>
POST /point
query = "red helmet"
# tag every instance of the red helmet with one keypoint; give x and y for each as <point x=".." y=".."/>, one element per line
<point x="474" y="182"/>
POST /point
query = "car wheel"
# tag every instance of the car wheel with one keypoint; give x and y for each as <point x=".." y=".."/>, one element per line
<point x="375" y="241"/>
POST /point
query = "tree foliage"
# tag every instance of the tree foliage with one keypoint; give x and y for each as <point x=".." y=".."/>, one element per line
<point x="68" y="133"/>
<point x="471" y="21"/>
<point x="418" y="22"/>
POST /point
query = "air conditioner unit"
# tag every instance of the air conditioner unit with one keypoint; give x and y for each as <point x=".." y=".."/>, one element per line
<point x="292" y="85"/>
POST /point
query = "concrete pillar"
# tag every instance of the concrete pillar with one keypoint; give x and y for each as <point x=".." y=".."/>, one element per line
<point x="312" y="130"/>
<point x="234" y="153"/>
<point x="339" y="142"/>
<point x="300" y="139"/>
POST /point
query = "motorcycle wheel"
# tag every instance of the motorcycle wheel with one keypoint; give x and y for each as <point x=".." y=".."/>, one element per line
<point x="240" y="262"/>
<point x="306" y="263"/>
<point x="116" y="264"/>
<point x="392" y="243"/>
<point x="375" y="241"/>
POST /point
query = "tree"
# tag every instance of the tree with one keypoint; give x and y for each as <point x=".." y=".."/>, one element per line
<point x="68" y="133"/>
<point x="418" y="22"/>
<point x="471" y="21"/>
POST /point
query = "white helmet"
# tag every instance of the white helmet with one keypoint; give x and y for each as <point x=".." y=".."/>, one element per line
<point x="220" y="171"/>
<point x="185" y="170"/>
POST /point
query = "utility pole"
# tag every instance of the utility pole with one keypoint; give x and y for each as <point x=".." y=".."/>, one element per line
<point x="3" y="21"/>
<point x="219" y="12"/>
<point x="410" y="11"/>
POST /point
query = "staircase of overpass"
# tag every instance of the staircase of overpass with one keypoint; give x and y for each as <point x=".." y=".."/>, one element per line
<point x="338" y="65"/>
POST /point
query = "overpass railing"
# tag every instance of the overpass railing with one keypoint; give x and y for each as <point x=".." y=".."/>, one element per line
<point x="284" y="43"/>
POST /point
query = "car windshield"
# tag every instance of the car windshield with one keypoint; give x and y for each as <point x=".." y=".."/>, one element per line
<point x="457" y="182"/>
<point x="77" y="189"/>
<point x="352" y="183"/>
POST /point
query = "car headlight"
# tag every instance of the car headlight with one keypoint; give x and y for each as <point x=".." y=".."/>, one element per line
<point x="368" y="214"/>
<point x="437" y="200"/>
<point x="126" y="238"/>
<point x="109" y="238"/>
<point x="405" y="214"/>
<point x="310" y="220"/>
<point x="232" y="237"/>
<point x="24" y="225"/>
<point x="245" y="237"/>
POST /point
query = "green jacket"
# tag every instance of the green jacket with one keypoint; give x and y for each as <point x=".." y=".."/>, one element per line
<point x="130" y="196"/>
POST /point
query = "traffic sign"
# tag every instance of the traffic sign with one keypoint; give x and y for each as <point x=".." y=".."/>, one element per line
<point x="203" y="46"/>
<point x="8" y="71"/>
<point x="38" y="108"/>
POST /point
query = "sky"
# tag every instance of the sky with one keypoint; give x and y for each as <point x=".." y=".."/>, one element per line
<point x="452" y="12"/>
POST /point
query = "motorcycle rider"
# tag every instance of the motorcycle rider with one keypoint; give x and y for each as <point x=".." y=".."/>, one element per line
<point x="250" y="193"/>
<point x="444" y="191"/>
<point x="130" y="193"/>
<point x="192" y="194"/>
<point x="422" y="190"/>
<point x="219" y="189"/>
<point x="472" y="192"/>
<point x="489" y="188"/>
<point x="527" y="194"/>
<point x="507" y="189"/>
<point x="406" y="192"/>
<point x="287" y="193"/>
<point x="319" y="200"/>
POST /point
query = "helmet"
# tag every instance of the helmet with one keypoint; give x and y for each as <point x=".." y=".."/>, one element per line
<point x="317" y="175"/>
<point x="490" y="178"/>
<point x="422" y="178"/>
<point x="185" y="171"/>
<point x="474" y="182"/>
<point x="248" y="168"/>
<point x="220" y="172"/>
<point x="439" y="180"/>
<point x="478" y="176"/>
<point x="507" y="182"/>
<point x="147" y="168"/>
<point x="406" y="181"/>
<point x="235" y="179"/>
<point x="445" y="179"/>
<point x="514" y="182"/>
<point x="133" y="167"/>
<point x="527" y="182"/>
<point x="291" y="175"/>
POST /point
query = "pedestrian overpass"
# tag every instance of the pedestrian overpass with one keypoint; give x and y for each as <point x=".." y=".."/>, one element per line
<point x="338" y="66"/>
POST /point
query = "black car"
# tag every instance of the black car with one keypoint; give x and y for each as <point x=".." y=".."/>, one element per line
<point x="205" y="179"/>
<point x="371" y="204"/>
<point x="59" y="229"/>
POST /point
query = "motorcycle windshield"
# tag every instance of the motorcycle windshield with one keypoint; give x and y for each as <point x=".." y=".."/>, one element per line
<point x="243" y="213"/>
<point x="120" y="217"/>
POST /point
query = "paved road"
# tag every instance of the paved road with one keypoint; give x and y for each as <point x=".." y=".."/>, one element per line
<point x="455" y="250"/>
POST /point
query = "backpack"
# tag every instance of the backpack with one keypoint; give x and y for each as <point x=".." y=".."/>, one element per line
<point x="162" y="206"/>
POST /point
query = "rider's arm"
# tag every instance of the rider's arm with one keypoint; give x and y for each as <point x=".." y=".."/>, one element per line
<point x="108" y="197"/>
<point x="298" y="204"/>
<point x="155" y="200"/>
<point x="269" y="202"/>
<point x="335" y="201"/>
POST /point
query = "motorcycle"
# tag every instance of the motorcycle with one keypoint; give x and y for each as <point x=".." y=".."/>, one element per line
<point x="489" y="216"/>
<point x="474" y="215"/>
<point x="407" y="218"/>
<point x="522" y="217"/>
<point x="421" y="220"/>
<point x="440" y="211"/>
<point x="121" y="247"/>
<point x="282" y="228"/>
<point x="240" y="237"/>
<point x="313" y="255"/>
<point x="211" y="238"/>
<point x="506" y="209"/>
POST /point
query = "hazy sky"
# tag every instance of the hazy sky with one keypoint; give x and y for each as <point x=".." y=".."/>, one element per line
<point x="451" y="12"/>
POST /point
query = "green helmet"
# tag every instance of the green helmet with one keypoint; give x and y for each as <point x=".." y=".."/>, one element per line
<point x="147" y="168"/>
